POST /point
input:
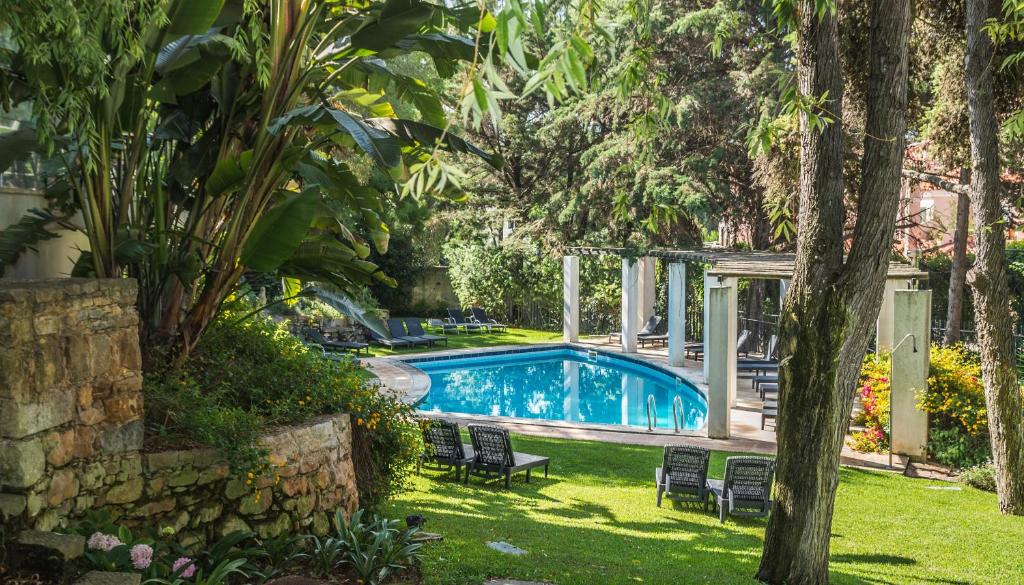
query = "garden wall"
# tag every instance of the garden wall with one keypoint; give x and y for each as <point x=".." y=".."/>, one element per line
<point x="71" y="430"/>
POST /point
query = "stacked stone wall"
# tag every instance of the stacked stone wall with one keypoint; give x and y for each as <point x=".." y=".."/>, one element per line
<point x="71" y="430"/>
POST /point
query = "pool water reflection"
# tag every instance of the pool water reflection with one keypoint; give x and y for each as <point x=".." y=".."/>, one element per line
<point x="562" y="385"/>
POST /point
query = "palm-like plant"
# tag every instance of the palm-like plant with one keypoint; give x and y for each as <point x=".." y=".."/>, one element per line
<point x="204" y="139"/>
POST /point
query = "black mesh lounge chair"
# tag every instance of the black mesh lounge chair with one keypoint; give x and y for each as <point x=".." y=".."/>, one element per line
<point x="683" y="475"/>
<point x="388" y="342"/>
<point x="746" y="489"/>
<point x="493" y="455"/>
<point x="659" y="335"/>
<point x="480" y="316"/>
<point x="757" y="369"/>
<point x="416" y="329"/>
<point x="650" y="328"/>
<point x="444" y="448"/>
<point x="443" y="325"/>
<point x="317" y="338"/>
<point x="397" y="329"/>
<point x="456" y="318"/>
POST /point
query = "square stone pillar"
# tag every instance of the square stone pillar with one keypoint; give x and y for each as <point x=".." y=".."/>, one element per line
<point x="648" y="289"/>
<point x="734" y="286"/>
<point x="676" y="313"/>
<point x="571" y="299"/>
<point x="909" y="424"/>
<point x="719" y="345"/>
<point x="707" y="324"/>
<point x="885" y="336"/>
<point x="630" y="303"/>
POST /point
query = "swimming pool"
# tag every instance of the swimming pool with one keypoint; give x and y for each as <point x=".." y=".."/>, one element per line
<point x="559" y="384"/>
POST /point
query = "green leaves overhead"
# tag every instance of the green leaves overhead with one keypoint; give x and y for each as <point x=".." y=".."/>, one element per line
<point x="279" y="231"/>
<point x="379" y="145"/>
<point x="395" y="19"/>
<point x="192" y="17"/>
<point x="429" y="136"/>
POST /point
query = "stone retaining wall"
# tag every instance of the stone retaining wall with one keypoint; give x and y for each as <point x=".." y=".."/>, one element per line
<point x="71" y="430"/>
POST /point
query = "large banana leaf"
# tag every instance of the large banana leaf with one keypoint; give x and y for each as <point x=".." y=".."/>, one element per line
<point x="277" y="234"/>
<point x="348" y="307"/>
<point x="396" y="19"/>
<point x="428" y="136"/>
<point x="382" y="147"/>
<point x="192" y="17"/>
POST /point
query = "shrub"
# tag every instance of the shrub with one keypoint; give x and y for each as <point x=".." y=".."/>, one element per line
<point x="874" y="398"/>
<point x="955" y="402"/>
<point x="982" y="476"/>
<point x="250" y="373"/>
<point x="376" y="549"/>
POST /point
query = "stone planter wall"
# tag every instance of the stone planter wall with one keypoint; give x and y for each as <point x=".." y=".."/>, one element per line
<point x="71" y="430"/>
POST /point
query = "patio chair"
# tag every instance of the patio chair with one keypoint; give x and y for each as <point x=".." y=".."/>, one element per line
<point x="315" y="337"/>
<point x="415" y="328"/>
<point x="444" y="447"/>
<point x="494" y="457"/>
<point x="480" y="316"/>
<point x="769" y="411"/>
<point x="387" y="341"/>
<point x="650" y="328"/>
<point x="455" y="317"/>
<point x="698" y="348"/>
<point x="769" y="354"/>
<point x="683" y="475"/>
<point x="758" y="368"/>
<point x="443" y="325"/>
<point x="397" y="329"/>
<point x="746" y="489"/>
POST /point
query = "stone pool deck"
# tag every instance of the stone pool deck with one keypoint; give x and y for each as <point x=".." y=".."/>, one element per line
<point x="746" y="434"/>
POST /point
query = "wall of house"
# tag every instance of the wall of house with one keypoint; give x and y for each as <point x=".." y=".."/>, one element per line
<point x="71" y="430"/>
<point x="52" y="258"/>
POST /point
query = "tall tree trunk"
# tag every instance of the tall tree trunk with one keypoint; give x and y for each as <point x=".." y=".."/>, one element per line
<point x="958" y="270"/>
<point x="988" y="276"/>
<point x="831" y="307"/>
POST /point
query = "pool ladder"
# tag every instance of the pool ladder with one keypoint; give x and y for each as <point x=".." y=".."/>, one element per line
<point x="652" y="412"/>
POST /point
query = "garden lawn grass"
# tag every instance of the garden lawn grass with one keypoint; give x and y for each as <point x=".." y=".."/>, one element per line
<point x="594" y="522"/>
<point x="463" y="340"/>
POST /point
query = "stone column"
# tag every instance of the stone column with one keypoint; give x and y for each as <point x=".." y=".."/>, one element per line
<point x="909" y="425"/>
<point x="707" y="323"/>
<point x="734" y="286"/>
<point x="676" y="313"/>
<point x="571" y="299"/>
<point x="783" y="287"/>
<point x="885" y="335"/>
<point x="630" y="303"/>
<point x="719" y="344"/>
<point x="648" y="289"/>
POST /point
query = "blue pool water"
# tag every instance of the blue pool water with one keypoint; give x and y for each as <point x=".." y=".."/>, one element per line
<point x="559" y="384"/>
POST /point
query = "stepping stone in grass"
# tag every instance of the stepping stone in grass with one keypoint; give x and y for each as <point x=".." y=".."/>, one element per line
<point x="504" y="547"/>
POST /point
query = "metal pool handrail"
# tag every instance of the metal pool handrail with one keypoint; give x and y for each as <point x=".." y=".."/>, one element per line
<point x="677" y="416"/>
<point x="651" y="406"/>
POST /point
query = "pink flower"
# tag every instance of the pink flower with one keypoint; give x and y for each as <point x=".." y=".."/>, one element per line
<point x="104" y="542"/>
<point x="190" y="567"/>
<point x="142" y="556"/>
<point x="883" y="379"/>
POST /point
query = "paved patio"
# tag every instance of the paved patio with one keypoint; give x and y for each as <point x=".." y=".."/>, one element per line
<point x="745" y="430"/>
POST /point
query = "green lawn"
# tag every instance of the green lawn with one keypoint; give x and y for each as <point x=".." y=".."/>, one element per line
<point x="463" y="340"/>
<point x="594" y="521"/>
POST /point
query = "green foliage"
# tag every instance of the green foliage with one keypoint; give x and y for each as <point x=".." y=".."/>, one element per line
<point x="981" y="476"/>
<point x="249" y="374"/>
<point x="489" y="276"/>
<point x="955" y="403"/>
<point x="377" y="548"/>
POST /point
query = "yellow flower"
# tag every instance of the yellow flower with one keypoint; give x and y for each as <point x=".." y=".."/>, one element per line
<point x="359" y="421"/>
<point x="250" y="475"/>
<point x="301" y="403"/>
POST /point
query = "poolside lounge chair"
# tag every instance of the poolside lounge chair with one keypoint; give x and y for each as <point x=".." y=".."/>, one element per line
<point x="769" y="411"/>
<point x="683" y="475"/>
<point x="455" y="317"/>
<point x="387" y="341"/>
<point x="650" y="328"/>
<point x="443" y="325"/>
<point x="698" y="348"/>
<point x="317" y="338"/>
<point x="444" y="447"/>
<point x="769" y="354"/>
<point x="746" y="489"/>
<point x="416" y="329"/>
<point x="757" y="369"/>
<point x="397" y="329"/>
<point x="480" y="316"/>
<point x="493" y="455"/>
